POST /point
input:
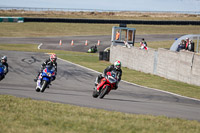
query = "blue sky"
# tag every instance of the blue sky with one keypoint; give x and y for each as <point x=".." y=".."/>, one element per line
<point x="138" y="5"/>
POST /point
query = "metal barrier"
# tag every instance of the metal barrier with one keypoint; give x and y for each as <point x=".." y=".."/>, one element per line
<point x="105" y="21"/>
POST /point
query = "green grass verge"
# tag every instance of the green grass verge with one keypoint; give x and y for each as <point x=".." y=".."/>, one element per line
<point x="23" y="115"/>
<point x="73" y="29"/>
<point x="92" y="61"/>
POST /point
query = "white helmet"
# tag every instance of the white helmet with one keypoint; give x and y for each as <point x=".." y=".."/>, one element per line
<point x="117" y="64"/>
<point x="4" y="58"/>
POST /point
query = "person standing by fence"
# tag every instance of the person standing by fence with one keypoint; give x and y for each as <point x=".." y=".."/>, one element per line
<point x="143" y="44"/>
<point x="117" y="35"/>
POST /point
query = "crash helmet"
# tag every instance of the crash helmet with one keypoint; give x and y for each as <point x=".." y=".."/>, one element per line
<point x="117" y="64"/>
<point x="53" y="57"/>
<point x="4" y="59"/>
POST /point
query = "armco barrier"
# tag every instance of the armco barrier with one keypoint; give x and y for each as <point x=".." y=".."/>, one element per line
<point x="182" y="66"/>
<point x="104" y="21"/>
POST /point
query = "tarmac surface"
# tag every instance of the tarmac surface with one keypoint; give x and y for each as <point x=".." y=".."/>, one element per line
<point x="79" y="41"/>
<point x="74" y="85"/>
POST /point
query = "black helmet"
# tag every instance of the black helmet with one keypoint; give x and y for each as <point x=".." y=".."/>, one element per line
<point x="4" y="58"/>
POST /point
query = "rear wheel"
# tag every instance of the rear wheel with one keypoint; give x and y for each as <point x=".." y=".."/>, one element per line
<point x="103" y="92"/>
<point x="44" y="85"/>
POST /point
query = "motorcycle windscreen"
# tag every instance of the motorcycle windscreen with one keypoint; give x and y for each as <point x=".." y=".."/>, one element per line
<point x="50" y="68"/>
<point x="112" y="79"/>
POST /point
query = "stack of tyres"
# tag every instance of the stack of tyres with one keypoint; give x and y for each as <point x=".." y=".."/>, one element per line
<point x="104" y="55"/>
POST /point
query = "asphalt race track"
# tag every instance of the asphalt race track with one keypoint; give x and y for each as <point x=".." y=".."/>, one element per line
<point x="74" y="84"/>
<point x="79" y="41"/>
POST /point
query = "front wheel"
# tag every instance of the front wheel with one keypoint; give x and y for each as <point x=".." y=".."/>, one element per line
<point x="95" y="93"/>
<point x="44" y="85"/>
<point x="103" y="92"/>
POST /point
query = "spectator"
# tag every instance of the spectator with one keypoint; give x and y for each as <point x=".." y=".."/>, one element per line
<point x="191" y="46"/>
<point x="143" y="44"/>
<point x="187" y="42"/>
<point x="181" y="45"/>
<point x="117" y="35"/>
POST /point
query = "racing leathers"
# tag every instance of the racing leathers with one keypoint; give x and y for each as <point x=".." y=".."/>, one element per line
<point x="47" y="62"/>
<point x="109" y="69"/>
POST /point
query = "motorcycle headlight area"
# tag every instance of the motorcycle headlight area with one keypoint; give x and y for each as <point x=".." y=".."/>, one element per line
<point x="49" y="74"/>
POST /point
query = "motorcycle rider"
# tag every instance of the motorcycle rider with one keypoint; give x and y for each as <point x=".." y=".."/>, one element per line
<point x="117" y="67"/>
<point x="4" y="62"/>
<point x="52" y="62"/>
<point x="93" y="49"/>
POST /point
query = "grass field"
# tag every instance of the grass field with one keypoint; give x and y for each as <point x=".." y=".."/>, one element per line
<point x="27" y="115"/>
<point x="23" y="115"/>
<point x="72" y="29"/>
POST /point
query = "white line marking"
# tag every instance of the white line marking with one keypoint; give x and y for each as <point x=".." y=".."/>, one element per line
<point x="40" y="45"/>
<point x="134" y="83"/>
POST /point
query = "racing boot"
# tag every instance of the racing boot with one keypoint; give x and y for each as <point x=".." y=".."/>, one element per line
<point x="38" y="86"/>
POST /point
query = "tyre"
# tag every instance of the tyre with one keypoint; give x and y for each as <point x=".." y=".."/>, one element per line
<point x="37" y="89"/>
<point x="44" y="85"/>
<point x="95" y="94"/>
<point x="103" y="92"/>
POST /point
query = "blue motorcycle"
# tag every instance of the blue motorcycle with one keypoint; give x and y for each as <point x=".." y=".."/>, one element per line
<point x="45" y="78"/>
<point x="2" y="71"/>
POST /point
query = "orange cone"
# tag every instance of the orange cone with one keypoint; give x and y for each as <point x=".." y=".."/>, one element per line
<point x="86" y="43"/>
<point x="60" y="43"/>
<point x="72" y="43"/>
<point x="98" y="42"/>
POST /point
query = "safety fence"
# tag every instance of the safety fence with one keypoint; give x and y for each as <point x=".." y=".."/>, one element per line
<point x="97" y="21"/>
<point x="105" y="21"/>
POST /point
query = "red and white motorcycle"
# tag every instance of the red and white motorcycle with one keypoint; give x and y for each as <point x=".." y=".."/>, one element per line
<point x="106" y="84"/>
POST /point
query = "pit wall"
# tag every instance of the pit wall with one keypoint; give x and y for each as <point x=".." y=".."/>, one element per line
<point x="182" y="66"/>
